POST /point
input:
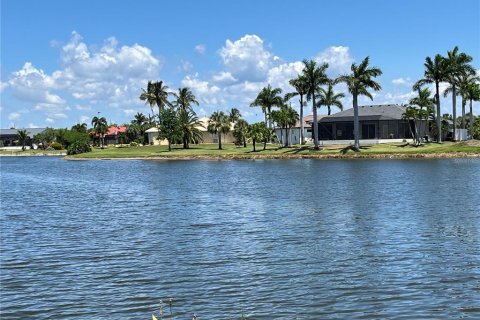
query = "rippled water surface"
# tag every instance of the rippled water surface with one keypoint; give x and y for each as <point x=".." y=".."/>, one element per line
<point x="295" y="239"/>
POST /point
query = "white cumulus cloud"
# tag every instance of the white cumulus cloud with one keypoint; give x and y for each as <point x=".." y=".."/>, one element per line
<point x="338" y="58"/>
<point x="247" y="58"/>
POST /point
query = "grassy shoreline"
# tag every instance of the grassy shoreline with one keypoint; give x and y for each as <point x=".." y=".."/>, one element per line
<point x="469" y="149"/>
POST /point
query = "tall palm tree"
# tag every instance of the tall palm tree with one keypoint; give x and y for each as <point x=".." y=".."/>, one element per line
<point x="472" y="93"/>
<point x="329" y="98"/>
<point x="100" y="128"/>
<point x="185" y="99"/>
<point x="301" y="89"/>
<point x="22" y="137"/>
<point x="234" y="115"/>
<point x="189" y="127"/>
<point x="267" y="98"/>
<point x="457" y="65"/>
<point x="435" y="72"/>
<point x="314" y="76"/>
<point x="465" y="85"/>
<point x="80" y="127"/>
<point x="156" y="94"/>
<point x="358" y="83"/>
<point x="218" y="124"/>
<point x="149" y="95"/>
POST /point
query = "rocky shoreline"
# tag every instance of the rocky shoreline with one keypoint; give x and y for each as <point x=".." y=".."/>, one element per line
<point x="452" y="155"/>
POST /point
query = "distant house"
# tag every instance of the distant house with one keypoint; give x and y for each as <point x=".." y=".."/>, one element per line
<point x="294" y="132"/>
<point x="9" y="137"/>
<point x="377" y="123"/>
<point x="207" y="137"/>
<point x="116" y="135"/>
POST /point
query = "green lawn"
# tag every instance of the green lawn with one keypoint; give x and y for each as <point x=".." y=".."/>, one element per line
<point x="275" y="151"/>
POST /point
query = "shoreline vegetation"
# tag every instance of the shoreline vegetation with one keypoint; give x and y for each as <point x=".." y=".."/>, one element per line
<point x="405" y="150"/>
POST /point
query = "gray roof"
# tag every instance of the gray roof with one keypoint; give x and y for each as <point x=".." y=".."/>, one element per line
<point x="13" y="132"/>
<point x="369" y="113"/>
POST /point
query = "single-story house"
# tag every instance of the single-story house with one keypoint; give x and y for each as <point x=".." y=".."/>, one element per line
<point x="9" y="137"/>
<point x="294" y="132"/>
<point x="116" y="135"/>
<point x="207" y="137"/>
<point x="377" y="123"/>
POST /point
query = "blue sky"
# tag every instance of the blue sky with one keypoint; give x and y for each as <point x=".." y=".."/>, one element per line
<point x="64" y="61"/>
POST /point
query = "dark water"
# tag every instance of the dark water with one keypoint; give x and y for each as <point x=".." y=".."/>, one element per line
<point x="296" y="239"/>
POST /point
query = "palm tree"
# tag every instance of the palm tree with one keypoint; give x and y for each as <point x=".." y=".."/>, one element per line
<point x="80" y="127"/>
<point x="139" y="119"/>
<point x="329" y="98"/>
<point x="22" y="137"/>
<point x="240" y="132"/>
<point x="358" y="83"/>
<point x="435" y="72"/>
<point x="458" y="65"/>
<point x="156" y="94"/>
<point x="268" y="98"/>
<point x="286" y="118"/>
<point x="185" y="99"/>
<point x="471" y="92"/>
<point x="234" y="115"/>
<point x="256" y="133"/>
<point x="466" y="82"/>
<point x="100" y="127"/>
<point x="425" y="103"/>
<point x="314" y="77"/>
<point x="189" y="127"/>
<point x="301" y="90"/>
<point x="218" y="124"/>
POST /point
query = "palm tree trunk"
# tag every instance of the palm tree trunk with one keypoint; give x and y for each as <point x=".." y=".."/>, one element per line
<point x="439" y="116"/>
<point x="244" y="142"/>
<point x="253" y="141"/>
<point x="329" y="110"/>
<point x="269" y="118"/>
<point x="219" y="141"/>
<point x="463" y="112"/>
<point x="471" y="120"/>
<point x="315" y="124"/>
<point x="356" y="131"/>
<point x="286" y="137"/>
<point x="169" y="145"/>
<point x="454" y="104"/>
<point x="411" y="132"/>
<point x="302" y="138"/>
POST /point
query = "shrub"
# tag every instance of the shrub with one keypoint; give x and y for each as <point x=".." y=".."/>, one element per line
<point x="133" y="144"/>
<point x="78" y="147"/>
<point x="56" y="145"/>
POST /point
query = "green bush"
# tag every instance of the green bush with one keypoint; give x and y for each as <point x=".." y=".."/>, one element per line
<point x="56" y="145"/>
<point x="78" y="147"/>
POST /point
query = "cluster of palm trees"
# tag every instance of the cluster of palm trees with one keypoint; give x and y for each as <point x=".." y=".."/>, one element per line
<point x="456" y="70"/>
<point x="100" y="128"/>
<point x="176" y="120"/>
<point x="314" y="85"/>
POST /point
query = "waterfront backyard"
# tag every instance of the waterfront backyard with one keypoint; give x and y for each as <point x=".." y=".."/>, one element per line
<point x="230" y="151"/>
<point x="297" y="239"/>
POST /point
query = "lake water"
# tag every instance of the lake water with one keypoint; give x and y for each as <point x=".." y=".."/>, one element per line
<point x="274" y="239"/>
